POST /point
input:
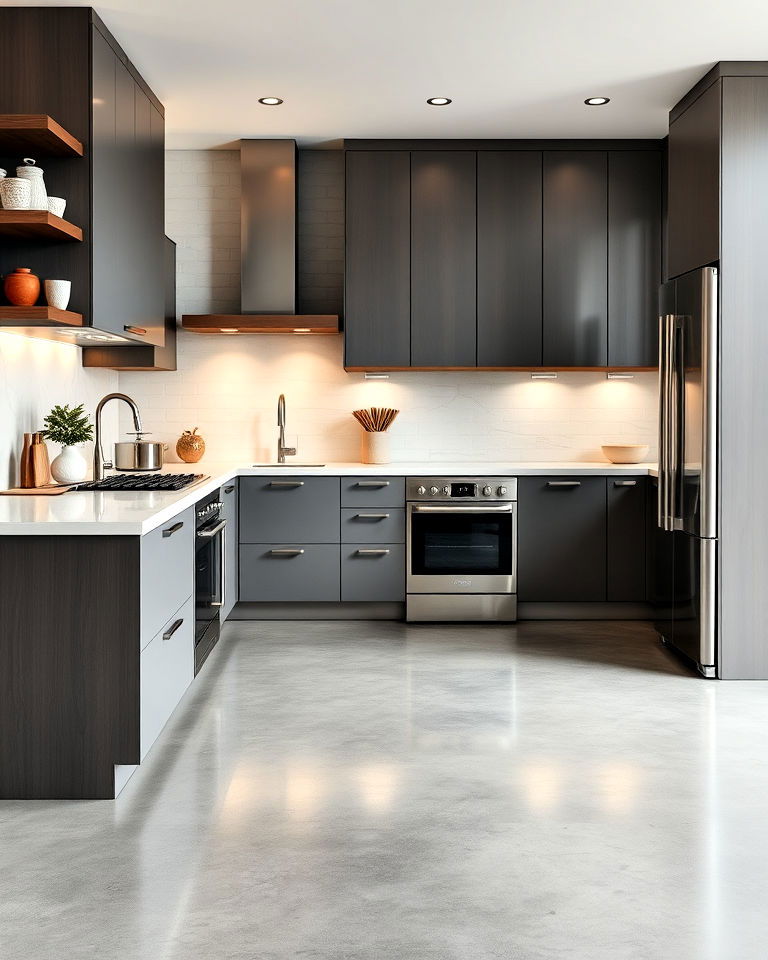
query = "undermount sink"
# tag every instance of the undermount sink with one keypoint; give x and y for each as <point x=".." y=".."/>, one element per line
<point x="283" y="465"/>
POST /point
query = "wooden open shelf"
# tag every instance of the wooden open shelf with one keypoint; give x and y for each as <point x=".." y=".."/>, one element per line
<point x="36" y="133"/>
<point x="223" y="323"/>
<point x="37" y="224"/>
<point x="39" y="317"/>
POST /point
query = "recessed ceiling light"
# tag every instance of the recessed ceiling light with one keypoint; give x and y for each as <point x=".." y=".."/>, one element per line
<point x="439" y="101"/>
<point x="597" y="101"/>
<point x="270" y="101"/>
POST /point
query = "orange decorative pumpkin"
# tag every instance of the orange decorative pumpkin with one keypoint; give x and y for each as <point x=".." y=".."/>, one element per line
<point x="190" y="446"/>
<point x="22" y="287"/>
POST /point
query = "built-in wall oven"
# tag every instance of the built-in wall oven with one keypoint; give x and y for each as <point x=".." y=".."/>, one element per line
<point x="209" y="575"/>
<point x="461" y="548"/>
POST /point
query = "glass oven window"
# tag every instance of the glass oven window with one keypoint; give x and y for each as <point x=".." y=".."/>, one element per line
<point x="456" y="543"/>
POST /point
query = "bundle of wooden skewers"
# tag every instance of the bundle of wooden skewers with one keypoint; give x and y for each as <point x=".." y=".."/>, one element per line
<point x="376" y="419"/>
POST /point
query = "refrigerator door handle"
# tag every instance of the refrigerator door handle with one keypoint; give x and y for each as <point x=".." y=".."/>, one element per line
<point x="661" y="489"/>
<point x="709" y="381"/>
<point x="677" y="399"/>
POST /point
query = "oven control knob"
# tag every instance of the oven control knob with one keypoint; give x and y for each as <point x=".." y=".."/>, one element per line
<point x="446" y="490"/>
<point x="502" y="491"/>
<point x="421" y="491"/>
<point x="487" y="491"/>
<point x="434" y="491"/>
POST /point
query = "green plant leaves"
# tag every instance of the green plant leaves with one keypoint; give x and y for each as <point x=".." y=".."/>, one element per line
<point x="68" y="426"/>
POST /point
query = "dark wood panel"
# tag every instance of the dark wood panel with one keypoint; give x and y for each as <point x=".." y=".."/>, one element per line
<point x="575" y="259"/>
<point x="69" y="664"/>
<point x="634" y="257"/>
<point x="626" y="567"/>
<point x="743" y="560"/>
<point x="377" y="324"/>
<point x="509" y="252"/>
<point x="561" y="539"/>
<point x="693" y="227"/>
<point x="443" y="259"/>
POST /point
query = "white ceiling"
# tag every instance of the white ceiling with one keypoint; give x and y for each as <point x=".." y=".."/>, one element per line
<point x="364" y="68"/>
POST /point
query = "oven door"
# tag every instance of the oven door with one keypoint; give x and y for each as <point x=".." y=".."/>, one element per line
<point x="462" y="549"/>
<point x="209" y="576"/>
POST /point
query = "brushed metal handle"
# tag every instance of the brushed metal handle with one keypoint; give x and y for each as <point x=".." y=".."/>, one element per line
<point x="372" y="483"/>
<point x="625" y="483"/>
<point x="372" y="552"/>
<point x="172" y="629"/>
<point x="169" y="531"/>
<point x="503" y="508"/>
<point x="208" y="534"/>
<point x="371" y="516"/>
<point x="563" y="483"/>
<point x="286" y="483"/>
<point x="229" y="489"/>
<point x="287" y="552"/>
<point x="141" y="331"/>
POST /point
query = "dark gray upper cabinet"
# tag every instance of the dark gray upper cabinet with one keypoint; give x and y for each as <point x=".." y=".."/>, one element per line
<point x="509" y="239"/>
<point x="626" y="558"/>
<point x="561" y="539"/>
<point x="634" y="257"/>
<point x="575" y="259"/>
<point x="377" y="305"/>
<point x="693" y="216"/>
<point x="443" y="258"/>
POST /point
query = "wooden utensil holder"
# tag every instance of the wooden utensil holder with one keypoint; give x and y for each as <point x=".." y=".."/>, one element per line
<point x="374" y="447"/>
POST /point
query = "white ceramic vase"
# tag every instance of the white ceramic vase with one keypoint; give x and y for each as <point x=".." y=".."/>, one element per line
<point x="57" y="293"/>
<point x="69" y="467"/>
<point x="38" y="194"/>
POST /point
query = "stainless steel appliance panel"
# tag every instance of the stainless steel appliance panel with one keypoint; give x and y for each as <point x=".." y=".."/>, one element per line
<point x="487" y="608"/>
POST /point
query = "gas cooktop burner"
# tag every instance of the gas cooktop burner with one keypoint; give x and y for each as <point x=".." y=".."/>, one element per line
<point x="147" y="481"/>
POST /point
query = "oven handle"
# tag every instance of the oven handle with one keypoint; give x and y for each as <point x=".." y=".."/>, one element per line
<point x="209" y="534"/>
<point x="504" y="508"/>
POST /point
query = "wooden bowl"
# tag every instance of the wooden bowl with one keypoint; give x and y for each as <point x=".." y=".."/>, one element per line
<point x="626" y="453"/>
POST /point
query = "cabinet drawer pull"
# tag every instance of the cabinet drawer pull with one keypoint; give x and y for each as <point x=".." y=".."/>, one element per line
<point x="172" y="629"/>
<point x="563" y="483"/>
<point x="625" y="483"/>
<point x="229" y="489"/>
<point x="141" y="331"/>
<point x="373" y="552"/>
<point x="372" y="483"/>
<point x="287" y="552"/>
<point x="169" y="531"/>
<point x="371" y="516"/>
<point x="286" y="483"/>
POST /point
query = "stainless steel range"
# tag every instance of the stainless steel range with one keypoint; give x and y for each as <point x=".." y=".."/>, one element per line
<point x="462" y="548"/>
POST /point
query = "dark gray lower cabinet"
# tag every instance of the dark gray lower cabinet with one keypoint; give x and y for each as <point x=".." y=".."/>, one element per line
<point x="372" y="572"/>
<point x="626" y="557"/>
<point x="373" y="525"/>
<point x="289" y="572"/>
<point x="302" y="509"/>
<point x="372" y="491"/>
<point x="561" y="539"/>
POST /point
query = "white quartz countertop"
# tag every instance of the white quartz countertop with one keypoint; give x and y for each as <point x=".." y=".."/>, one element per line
<point x="136" y="513"/>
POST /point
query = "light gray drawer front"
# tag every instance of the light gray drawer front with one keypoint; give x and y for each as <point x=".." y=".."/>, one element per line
<point x="373" y="491"/>
<point x="167" y="571"/>
<point x="371" y="572"/>
<point x="167" y="668"/>
<point x="373" y="524"/>
<point x="289" y="508"/>
<point x="282" y="572"/>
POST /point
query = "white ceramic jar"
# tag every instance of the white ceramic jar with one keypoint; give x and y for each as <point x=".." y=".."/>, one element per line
<point x="57" y="293"/>
<point x="38" y="195"/>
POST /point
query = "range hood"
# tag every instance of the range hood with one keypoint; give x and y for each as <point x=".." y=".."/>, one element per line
<point x="268" y="249"/>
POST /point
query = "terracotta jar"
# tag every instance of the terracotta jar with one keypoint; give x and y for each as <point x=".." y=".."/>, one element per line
<point x="190" y="446"/>
<point x="22" y="287"/>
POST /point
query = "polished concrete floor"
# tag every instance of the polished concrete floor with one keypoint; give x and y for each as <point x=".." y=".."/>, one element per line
<point x="345" y="790"/>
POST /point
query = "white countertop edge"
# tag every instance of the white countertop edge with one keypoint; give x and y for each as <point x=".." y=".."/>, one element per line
<point x="135" y="514"/>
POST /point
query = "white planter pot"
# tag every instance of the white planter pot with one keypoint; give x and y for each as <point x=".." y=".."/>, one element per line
<point x="374" y="447"/>
<point x="57" y="293"/>
<point x="69" y="467"/>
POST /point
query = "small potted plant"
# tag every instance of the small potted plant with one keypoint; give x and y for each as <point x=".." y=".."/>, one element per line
<point x="68" y="427"/>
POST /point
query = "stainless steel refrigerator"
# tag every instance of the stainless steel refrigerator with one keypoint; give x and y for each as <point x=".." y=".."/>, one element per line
<point x="687" y="482"/>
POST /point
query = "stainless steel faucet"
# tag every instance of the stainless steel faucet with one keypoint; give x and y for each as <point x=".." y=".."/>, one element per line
<point x="282" y="450"/>
<point x="99" y="463"/>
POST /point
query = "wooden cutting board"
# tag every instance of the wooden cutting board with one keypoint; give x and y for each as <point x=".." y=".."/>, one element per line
<point x="49" y="490"/>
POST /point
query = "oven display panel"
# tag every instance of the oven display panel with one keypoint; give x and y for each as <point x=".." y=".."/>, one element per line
<point x="463" y="489"/>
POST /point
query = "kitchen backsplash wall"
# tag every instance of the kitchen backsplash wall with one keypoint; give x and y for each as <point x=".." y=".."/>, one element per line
<point x="35" y="375"/>
<point x="228" y="385"/>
